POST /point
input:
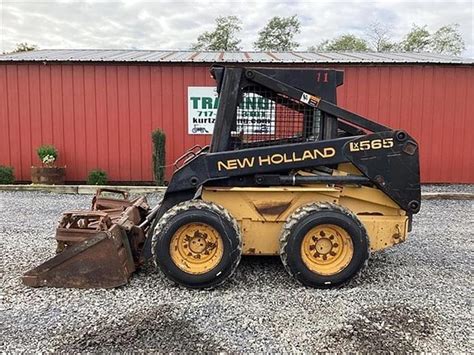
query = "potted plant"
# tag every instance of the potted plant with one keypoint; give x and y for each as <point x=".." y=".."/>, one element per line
<point x="48" y="173"/>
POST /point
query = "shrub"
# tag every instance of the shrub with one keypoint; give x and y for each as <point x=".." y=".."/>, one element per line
<point x="6" y="175"/>
<point x="47" y="154"/>
<point x="97" y="177"/>
<point x="158" y="157"/>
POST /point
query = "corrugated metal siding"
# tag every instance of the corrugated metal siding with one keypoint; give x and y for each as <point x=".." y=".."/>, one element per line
<point x="101" y="116"/>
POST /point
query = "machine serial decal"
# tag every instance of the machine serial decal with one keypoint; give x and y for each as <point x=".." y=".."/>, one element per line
<point x="371" y="144"/>
<point x="310" y="99"/>
<point x="275" y="159"/>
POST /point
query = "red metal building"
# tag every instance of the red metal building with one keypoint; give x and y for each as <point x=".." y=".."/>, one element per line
<point x="99" y="107"/>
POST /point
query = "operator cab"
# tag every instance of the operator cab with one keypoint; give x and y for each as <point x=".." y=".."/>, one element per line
<point x="265" y="117"/>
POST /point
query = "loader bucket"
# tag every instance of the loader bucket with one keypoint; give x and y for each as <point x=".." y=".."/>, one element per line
<point x="103" y="260"/>
<point x="97" y="248"/>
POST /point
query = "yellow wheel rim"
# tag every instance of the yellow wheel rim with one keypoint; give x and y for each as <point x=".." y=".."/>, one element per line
<point x="327" y="249"/>
<point x="196" y="248"/>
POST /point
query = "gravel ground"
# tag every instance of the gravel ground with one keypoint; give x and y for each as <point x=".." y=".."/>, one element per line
<point x="414" y="297"/>
<point x="467" y="188"/>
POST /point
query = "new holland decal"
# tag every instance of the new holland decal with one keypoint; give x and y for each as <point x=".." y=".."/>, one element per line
<point x="275" y="159"/>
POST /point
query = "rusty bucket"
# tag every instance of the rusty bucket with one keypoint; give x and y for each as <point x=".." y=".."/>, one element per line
<point x="103" y="260"/>
<point x="98" y="248"/>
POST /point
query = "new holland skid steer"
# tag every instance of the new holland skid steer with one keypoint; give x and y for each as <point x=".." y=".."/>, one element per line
<point x="299" y="177"/>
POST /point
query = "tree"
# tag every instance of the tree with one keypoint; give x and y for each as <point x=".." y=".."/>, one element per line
<point x="346" y="42"/>
<point x="24" y="47"/>
<point x="223" y="38"/>
<point x="447" y="40"/>
<point x="417" y="40"/>
<point x="380" y="37"/>
<point x="278" y="34"/>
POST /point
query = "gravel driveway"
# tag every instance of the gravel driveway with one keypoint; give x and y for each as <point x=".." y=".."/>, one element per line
<point x="414" y="297"/>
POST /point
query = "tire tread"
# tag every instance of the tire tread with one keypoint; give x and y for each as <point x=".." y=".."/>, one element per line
<point x="164" y="222"/>
<point x="306" y="210"/>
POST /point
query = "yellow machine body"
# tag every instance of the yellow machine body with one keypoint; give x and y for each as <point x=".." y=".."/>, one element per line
<point x="262" y="211"/>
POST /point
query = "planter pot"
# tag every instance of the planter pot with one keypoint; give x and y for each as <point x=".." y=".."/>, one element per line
<point x="48" y="175"/>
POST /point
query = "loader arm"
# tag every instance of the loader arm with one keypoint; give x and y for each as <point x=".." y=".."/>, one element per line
<point x="313" y="100"/>
<point x="389" y="162"/>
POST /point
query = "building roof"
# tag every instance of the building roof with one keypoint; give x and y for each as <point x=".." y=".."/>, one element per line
<point x="169" y="56"/>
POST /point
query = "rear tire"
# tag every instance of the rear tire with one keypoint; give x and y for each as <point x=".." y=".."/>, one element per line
<point x="197" y="244"/>
<point x="324" y="245"/>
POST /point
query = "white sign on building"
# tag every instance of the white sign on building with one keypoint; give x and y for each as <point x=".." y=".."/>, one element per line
<point x="256" y="113"/>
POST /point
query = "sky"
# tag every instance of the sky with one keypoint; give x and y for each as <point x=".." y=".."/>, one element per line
<point x="128" y="24"/>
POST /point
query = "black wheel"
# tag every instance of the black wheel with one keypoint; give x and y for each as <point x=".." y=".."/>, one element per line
<point x="197" y="244"/>
<point x="324" y="245"/>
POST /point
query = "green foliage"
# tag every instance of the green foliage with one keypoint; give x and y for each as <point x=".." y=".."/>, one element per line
<point x="388" y="47"/>
<point x="24" y="47"/>
<point x="6" y="175"/>
<point x="47" y="154"/>
<point x="447" y="40"/>
<point x="344" y="43"/>
<point x="278" y="34"/>
<point x="417" y="40"/>
<point x="158" y="156"/>
<point x="223" y="38"/>
<point x="97" y="177"/>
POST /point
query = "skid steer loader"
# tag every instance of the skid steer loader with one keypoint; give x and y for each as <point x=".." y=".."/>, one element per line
<point x="320" y="186"/>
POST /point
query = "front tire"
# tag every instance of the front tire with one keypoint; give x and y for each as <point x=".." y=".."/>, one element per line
<point x="324" y="245"/>
<point x="197" y="244"/>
